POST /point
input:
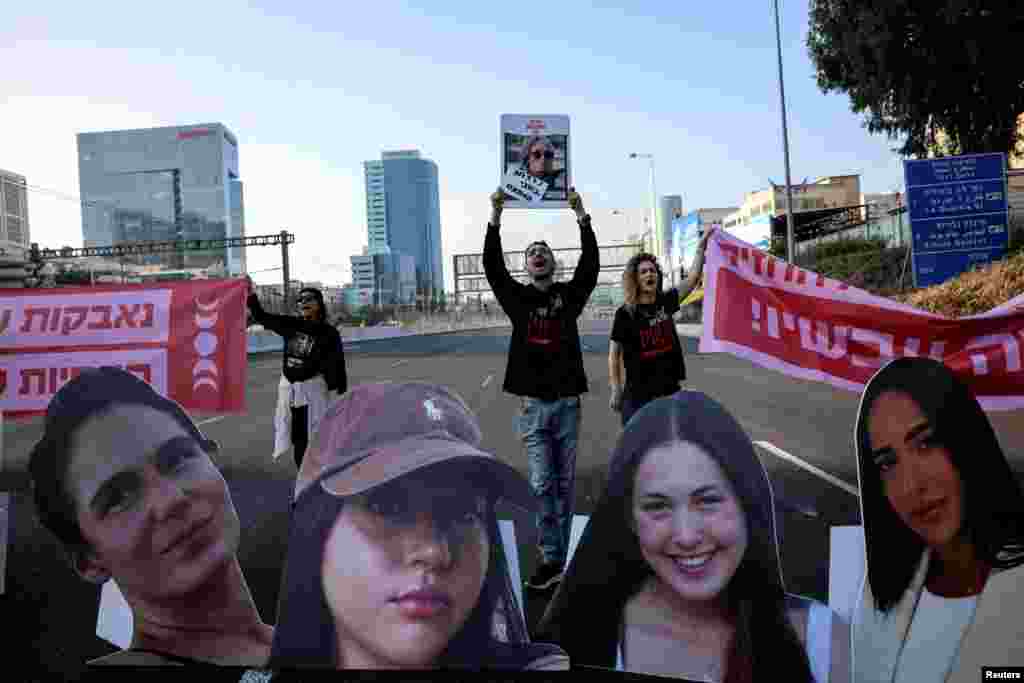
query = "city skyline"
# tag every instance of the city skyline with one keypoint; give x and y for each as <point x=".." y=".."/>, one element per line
<point x="695" y="86"/>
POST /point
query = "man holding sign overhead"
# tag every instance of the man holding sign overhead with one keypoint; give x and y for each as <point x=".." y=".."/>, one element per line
<point x="545" y="369"/>
<point x="536" y="172"/>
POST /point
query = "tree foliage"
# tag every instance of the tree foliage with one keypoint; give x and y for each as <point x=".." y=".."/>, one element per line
<point x="944" y="74"/>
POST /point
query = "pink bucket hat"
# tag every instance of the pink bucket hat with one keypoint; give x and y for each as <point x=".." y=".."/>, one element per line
<point x="378" y="432"/>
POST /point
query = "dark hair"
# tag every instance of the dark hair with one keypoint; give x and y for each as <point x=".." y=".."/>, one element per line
<point x="993" y="504"/>
<point x="94" y="392"/>
<point x="305" y="635"/>
<point x="320" y="300"/>
<point x="630" y="286"/>
<point x="608" y="567"/>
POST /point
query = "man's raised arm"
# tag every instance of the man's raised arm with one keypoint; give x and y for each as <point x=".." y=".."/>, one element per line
<point x="584" y="279"/>
<point x="502" y="283"/>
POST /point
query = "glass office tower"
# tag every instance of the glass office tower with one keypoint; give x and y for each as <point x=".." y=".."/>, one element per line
<point x="157" y="184"/>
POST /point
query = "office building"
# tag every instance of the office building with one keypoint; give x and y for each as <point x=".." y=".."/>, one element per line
<point x="751" y="222"/>
<point x="403" y="213"/>
<point x="356" y="298"/>
<point x="14" y="233"/>
<point x="669" y="207"/>
<point x="687" y="230"/>
<point x="363" y="276"/>
<point x="383" y="279"/>
<point x="157" y="184"/>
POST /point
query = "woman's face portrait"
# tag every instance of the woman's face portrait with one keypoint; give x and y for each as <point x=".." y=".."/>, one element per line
<point x="153" y="507"/>
<point x="688" y="520"/>
<point x="403" y="569"/>
<point x="918" y="476"/>
<point x="540" y="158"/>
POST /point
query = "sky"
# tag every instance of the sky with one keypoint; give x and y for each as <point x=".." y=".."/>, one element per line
<point x="312" y="90"/>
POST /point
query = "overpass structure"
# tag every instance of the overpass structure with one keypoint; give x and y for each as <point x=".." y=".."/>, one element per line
<point x="37" y="258"/>
<point x="471" y="282"/>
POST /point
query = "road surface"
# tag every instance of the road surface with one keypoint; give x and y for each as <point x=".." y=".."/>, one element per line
<point x="807" y="426"/>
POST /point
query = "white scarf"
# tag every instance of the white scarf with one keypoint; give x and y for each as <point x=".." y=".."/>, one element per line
<point x="312" y="393"/>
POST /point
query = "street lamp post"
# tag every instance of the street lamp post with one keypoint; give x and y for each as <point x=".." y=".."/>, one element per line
<point x="654" y="206"/>
<point x="790" y="247"/>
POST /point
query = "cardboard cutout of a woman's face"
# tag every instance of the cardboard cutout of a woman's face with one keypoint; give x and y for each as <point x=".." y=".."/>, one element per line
<point x="688" y="521"/>
<point x="155" y="511"/>
<point x="403" y="569"/>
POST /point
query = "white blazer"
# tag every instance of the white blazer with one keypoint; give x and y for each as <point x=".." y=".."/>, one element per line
<point x="993" y="637"/>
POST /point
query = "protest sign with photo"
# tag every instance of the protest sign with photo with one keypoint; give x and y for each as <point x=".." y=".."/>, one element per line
<point x="812" y="327"/>
<point x="187" y="339"/>
<point x="535" y="171"/>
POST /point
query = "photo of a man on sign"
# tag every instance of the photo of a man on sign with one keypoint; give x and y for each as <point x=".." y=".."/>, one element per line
<point x="535" y="161"/>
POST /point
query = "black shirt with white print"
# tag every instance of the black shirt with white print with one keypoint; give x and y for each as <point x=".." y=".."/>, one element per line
<point x="545" y="360"/>
<point x="651" y="351"/>
<point x="311" y="347"/>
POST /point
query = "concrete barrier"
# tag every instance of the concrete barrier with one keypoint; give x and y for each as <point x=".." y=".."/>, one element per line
<point x="264" y="342"/>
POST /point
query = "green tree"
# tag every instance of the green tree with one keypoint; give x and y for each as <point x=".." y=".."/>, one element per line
<point x="943" y="75"/>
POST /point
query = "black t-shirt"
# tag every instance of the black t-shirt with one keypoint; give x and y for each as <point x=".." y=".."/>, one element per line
<point x="651" y="350"/>
<point x="311" y="348"/>
<point x="545" y="359"/>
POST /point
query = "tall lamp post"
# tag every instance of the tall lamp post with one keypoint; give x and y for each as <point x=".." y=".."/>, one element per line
<point x="654" y="206"/>
<point x="790" y="247"/>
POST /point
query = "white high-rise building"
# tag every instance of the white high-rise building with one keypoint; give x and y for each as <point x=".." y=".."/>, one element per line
<point x="14" y="234"/>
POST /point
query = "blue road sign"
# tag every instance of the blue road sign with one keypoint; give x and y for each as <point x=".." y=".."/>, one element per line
<point x="958" y="214"/>
<point x="948" y="169"/>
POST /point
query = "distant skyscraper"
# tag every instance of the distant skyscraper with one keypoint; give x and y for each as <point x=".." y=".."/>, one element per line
<point x="159" y="184"/>
<point x="14" y="236"/>
<point x="403" y="213"/>
<point x="671" y="207"/>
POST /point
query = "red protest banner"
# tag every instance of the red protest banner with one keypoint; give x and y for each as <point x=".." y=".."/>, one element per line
<point x="801" y="323"/>
<point x="187" y="339"/>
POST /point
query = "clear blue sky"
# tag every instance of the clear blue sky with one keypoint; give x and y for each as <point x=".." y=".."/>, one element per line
<point x="314" y="89"/>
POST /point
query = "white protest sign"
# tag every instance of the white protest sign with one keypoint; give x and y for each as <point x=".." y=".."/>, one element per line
<point x="520" y="185"/>
<point x="535" y="165"/>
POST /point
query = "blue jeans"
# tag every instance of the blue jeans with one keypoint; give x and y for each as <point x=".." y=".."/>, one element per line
<point x="550" y="433"/>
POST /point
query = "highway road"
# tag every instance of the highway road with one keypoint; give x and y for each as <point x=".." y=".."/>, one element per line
<point x="807" y="426"/>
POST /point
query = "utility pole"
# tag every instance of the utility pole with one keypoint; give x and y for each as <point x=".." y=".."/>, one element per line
<point x="790" y="246"/>
<point x="284" y="267"/>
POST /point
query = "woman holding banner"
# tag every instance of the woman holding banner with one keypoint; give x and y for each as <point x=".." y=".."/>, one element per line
<point x="123" y="478"/>
<point x="943" y="518"/>
<point x="645" y="356"/>
<point x="677" y="573"/>
<point x="313" y="368"/>
<point x="395" y="558"/>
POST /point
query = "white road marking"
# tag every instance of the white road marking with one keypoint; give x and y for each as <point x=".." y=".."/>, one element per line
<point x="779" y="453"/>
<point x="399" y="362"/>
<point x="487" y="381"/>
<point x="211" y="420"/>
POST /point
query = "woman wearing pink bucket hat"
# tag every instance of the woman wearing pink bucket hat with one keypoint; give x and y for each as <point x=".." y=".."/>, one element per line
<point x="395" y="559"/>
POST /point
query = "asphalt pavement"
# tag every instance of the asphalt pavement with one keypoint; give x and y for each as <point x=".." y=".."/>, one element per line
<point x="52" y="613"/>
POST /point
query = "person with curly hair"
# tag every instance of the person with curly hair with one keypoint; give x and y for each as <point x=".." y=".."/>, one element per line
<point x="645" y="356"/>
